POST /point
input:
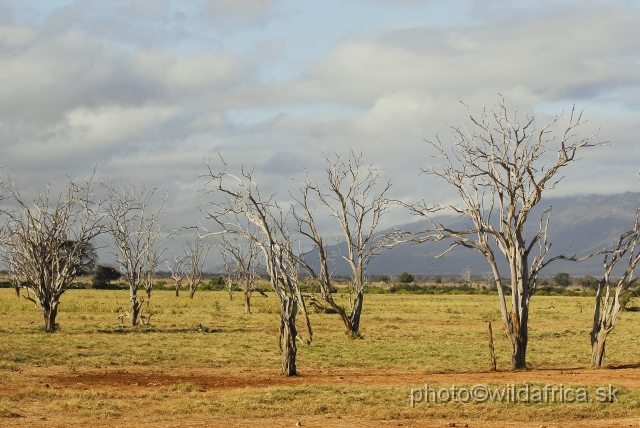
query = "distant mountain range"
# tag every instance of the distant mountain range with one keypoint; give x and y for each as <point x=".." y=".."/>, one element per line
<point x="579" y="225"/>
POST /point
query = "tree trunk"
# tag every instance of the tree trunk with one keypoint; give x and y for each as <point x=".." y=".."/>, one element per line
<point x="230" y="291"/>
<point x="134" y="307"/>
<point x="492" y="353"/>
<point x="356" y="311"/>
<point x="519" y="341"/>
<point x="598" y="342"/>
<point x="288" y="334"/>
<point x="50" y="311"/>
<point x="192" y="291"/>
<point x="16" y="288"/>
<point x="247" y="302"/>
<point x="148" y="290"/>
<point x="176" y="291"/>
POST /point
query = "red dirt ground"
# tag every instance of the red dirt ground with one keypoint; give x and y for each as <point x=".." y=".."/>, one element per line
<point x="219" y="379"/>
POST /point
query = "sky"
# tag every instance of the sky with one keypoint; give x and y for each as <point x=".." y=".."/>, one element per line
<point x="148" y="90"/>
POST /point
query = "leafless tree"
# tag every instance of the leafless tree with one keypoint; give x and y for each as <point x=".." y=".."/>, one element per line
<point x="352" y="196"/>
<point x="134" y="227"/>
<point x="153" y="259"/>
<point x="229" y="271"/>
<point x="488" y="278"/>
<point x="466" y="274"/>
<point x="241" y="262"/>
<point x="178" y="269"/>
<point x="244" y="204"/>
<point x="608" y="306"/>
<point x="49" y="242"/>
<point x="500" y="170"/>
<point x="14" y="270"/>
<point x="196" y="255"/>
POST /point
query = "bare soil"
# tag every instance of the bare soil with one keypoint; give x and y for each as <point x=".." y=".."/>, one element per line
<point x="136" y="378"/>
<point x="211" y="379"/>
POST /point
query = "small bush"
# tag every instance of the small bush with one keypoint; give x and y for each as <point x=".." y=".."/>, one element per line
<point x="562" y="279"/>
<point x="405" y="278"/>
<point x="217" y="280"/>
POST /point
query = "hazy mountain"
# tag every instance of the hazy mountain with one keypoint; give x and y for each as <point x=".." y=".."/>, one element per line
<point x="579" y="225"/>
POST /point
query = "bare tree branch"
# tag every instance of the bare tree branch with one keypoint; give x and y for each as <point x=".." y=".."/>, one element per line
<point x="607" y="306"/>
<point x="500" y="170"/>
<point x="50" y="242"/>
<point x="134" y="227"/>
<point x="244" y="205"/>
<point x="352" y="196"/>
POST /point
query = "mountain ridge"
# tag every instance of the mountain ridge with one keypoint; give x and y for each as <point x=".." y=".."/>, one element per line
<point x="579" y="224"/>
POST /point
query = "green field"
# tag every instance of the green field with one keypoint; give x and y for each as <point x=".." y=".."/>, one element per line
<point x="405" y="337"/>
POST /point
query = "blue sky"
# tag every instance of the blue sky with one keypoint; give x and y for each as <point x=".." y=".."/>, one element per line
<point x="148" y="89"/>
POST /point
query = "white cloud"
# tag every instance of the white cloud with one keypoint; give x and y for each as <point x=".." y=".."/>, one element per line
<point x="238" y="11"/>
<point x="73" y="96"/>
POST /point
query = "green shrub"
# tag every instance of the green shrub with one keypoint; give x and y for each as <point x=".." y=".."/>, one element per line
<point x="160" y="285"/>
<point x="562" y="279"/>
<point x="103" y="277"/>
<point x="217" y="280"/>
<point x="405" y="278"/>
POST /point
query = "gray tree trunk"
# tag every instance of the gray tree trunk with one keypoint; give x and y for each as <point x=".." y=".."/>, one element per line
<point x="356" y="311"/>
<point x="598" y="342"/>
<point x="50" y="310"/>
<point x="134" y="308"/>
<point x="288" y="334"/>
<point x="247" y="302"/>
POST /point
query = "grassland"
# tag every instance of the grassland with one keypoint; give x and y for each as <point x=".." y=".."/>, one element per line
<point x="173" y="373"/>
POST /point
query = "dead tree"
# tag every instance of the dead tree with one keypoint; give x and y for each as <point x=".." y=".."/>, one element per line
<point x="500" y="169"/>
<point x="14" y="271"/>
<point x="466" y="275"/>
<point x="241" y="262"/>
<point x="152" y="260"/>
<point x="352" y="196"/>
<point x="178" y="269"/>
<point x="49" y="243"/>
<point x="196" y="255"/>
<point x="608" y="306"/>
<point x="244" y="204"/>
<point x="229" y="272"/>
<point x="134" y="228"/>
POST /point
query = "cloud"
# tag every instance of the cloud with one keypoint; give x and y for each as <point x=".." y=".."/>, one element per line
<point x="565" y="56"/>
<point x="80" y="88"/>
<point x="291" y="165"/>
<point x="238" y="11"/>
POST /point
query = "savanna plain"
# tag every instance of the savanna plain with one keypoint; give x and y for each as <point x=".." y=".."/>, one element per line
<point x="204" y="362"/>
